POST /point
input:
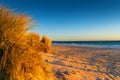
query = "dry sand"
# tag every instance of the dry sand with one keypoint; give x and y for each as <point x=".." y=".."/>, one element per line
<point x="85" y="63"/>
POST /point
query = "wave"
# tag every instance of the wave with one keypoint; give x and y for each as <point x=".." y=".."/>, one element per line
<point x="107" y="44"/>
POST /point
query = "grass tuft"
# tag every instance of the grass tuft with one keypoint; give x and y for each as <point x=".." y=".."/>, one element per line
<point x="20" y="57"/>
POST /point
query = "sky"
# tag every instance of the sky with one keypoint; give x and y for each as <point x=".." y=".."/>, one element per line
<point x="73" y="20"/>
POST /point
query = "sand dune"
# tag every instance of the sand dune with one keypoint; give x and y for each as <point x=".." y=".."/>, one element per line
<point x="85" y="63"/>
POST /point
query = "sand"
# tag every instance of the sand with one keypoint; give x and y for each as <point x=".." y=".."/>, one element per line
<point x="84" y="63"/>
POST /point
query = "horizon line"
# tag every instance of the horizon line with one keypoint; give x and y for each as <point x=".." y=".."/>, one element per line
<point x="83" y="40"/>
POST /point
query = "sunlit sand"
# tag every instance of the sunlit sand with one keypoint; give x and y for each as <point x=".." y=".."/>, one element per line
<point x="85" y="63"/>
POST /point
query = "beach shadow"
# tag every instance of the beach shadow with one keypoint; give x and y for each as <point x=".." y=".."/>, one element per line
<point x="59" y="75"/>
<point x="107" y="61"/>
<point x="91" y="61"/>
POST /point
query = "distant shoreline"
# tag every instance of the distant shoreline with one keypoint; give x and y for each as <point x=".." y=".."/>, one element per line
<point x="85" y="40"/>
<point x="76" y="46"/>
<point x="103" y="44"/>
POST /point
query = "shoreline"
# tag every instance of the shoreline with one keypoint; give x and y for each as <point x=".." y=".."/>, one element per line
<point x="105" y="44"/>
<point x="80" y="46"/>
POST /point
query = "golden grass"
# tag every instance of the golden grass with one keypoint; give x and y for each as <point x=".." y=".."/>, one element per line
<point x="19" y="55"/>
<point x="46" y="41"/>
<point x="36" y="43"/>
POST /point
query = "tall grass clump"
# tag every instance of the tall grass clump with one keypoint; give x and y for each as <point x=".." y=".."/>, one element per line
<point x="34" y="41"/>
<point x="19" y="55"/>
<point x="47" y="42"/>
<point x="37" y="44"/>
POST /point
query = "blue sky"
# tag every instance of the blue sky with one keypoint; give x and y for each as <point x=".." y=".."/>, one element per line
<point x="72" y="19"/>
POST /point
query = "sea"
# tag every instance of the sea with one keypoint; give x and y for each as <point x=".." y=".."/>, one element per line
<point x="107" y="44"/>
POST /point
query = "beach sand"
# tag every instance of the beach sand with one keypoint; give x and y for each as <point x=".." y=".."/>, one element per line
<point x="84" y="63"/>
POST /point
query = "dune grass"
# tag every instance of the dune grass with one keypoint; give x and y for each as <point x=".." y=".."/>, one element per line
<point x="41" y="45"/>
<point x="20" y="50"/>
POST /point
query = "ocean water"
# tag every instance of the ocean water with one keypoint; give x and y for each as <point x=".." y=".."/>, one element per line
<point x="110" y="44"/>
